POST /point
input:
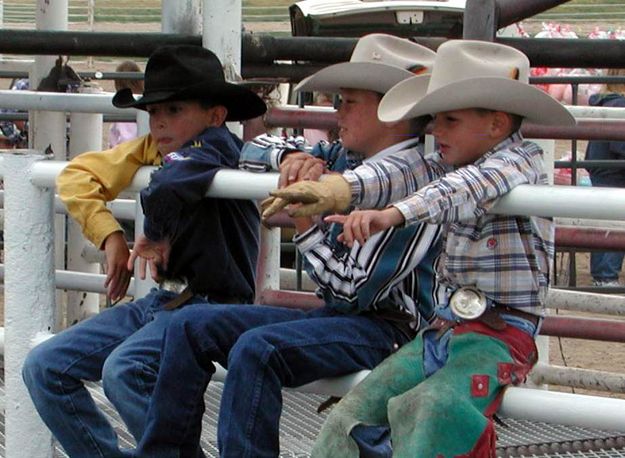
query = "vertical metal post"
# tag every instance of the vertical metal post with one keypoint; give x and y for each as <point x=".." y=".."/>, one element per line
<point x="480" y="20"/>
<point x="143" y="122"/>
<point x="222" y="35"/>
<point x="181" y="16"/>
<point x="268" y="268"/>
<point x="542" y="342"/>
<point x="29" y="299"/>
<point x="85" y="135"/>
<point x="91" y="23"/>
<point x="91" y="14"/>
<point x="48" y="128"/>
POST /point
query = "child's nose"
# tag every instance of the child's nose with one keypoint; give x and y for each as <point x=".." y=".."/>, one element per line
<point x="159" y="121"/>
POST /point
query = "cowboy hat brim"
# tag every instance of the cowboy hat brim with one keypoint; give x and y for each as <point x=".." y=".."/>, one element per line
<point x="240" y="102"/>
<point x="399" y="100"/>
<point x="370" y="76"/>
<point x="514" y="97"/>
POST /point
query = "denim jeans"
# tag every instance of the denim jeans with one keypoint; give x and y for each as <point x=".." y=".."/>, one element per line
<point x="606" y="266"/>
<point x="264" y="349"/>
<point x="119" y="346"/>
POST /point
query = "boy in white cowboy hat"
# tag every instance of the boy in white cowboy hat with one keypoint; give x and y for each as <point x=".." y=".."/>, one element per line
<point x="439" y="392"/>
<point x="376" y="297"/>
<point x="210" y="245"/>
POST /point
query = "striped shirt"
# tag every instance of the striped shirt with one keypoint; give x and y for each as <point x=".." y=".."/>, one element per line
<point x="393" y="270"/>
<point x="508" y="258"/>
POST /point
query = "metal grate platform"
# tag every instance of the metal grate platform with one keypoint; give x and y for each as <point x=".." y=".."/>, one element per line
<point x="300" y="423"/>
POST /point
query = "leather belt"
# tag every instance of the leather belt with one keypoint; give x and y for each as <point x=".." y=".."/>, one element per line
<point x="505" y="310"/>
<point x="491" y="318"/>
<point x="184" y="293"/>
<point x="400" y="319"/>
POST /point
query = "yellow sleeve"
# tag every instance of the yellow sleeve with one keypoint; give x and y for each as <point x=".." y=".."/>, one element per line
<point x="91" y="179"/>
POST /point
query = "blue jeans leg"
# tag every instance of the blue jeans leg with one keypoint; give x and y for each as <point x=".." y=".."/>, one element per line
<point x="196" y="337"/>
<point x="129" y="373"/>
<point x="54" y="372"/>
<point x="372" y="441"/>
<point x="268" y="358"/>
<point x="606" y="265"/>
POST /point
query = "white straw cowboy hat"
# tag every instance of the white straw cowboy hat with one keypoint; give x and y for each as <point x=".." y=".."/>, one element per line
<point x="475" y="74"/>
<point x="378" y="63"/>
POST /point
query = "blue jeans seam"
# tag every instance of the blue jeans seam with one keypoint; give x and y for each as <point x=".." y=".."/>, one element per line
<point x="249" y="429"/>
<point x="85" y="430"/>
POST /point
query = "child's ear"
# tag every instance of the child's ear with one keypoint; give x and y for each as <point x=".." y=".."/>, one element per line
<point x="217" y="115"/>
<point x="501" y="125"/>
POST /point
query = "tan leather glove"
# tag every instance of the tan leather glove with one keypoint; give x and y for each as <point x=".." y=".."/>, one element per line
<point x="331" y="193"/>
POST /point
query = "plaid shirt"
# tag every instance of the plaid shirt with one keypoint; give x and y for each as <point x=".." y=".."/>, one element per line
<point x="508" y="258"/>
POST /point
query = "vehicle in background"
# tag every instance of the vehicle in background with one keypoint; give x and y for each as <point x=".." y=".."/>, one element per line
<point x="404" y="18"/>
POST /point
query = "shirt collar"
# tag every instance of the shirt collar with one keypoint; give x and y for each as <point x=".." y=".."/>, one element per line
<point x="411" y="142"/>
<point x="506" y="144"/>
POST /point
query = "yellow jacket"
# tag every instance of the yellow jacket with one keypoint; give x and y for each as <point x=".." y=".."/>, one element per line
<point x="96" y="177"/>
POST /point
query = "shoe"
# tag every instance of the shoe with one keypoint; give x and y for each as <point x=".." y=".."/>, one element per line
<point x="607" y="283"/>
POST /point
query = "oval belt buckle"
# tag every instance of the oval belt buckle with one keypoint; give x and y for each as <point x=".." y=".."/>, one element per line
<point x="468" y="303"/>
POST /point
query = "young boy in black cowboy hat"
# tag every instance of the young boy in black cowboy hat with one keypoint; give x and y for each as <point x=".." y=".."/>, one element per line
<point x="204" y="247"/>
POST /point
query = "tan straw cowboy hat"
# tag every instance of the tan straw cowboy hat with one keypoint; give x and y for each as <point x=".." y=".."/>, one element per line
<point x="475" y="74"/>
<point x="378" y="63"/>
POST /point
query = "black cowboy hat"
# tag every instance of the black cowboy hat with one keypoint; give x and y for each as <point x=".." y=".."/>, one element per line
<point x="191" y="72"/>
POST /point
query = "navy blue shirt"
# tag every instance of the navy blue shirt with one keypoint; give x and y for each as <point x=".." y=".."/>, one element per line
<point x="214" y="242"/>
<point x="606" y="150"/>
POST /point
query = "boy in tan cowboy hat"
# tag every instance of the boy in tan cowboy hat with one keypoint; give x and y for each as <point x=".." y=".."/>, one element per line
<point x="375" y="298"/>
<point x="210" y="245"/>
<point x="439" y="392"/>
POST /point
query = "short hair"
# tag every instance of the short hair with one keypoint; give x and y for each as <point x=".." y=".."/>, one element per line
<point x="616" y="87"/>
<point x="419" y="124"/>
<point x="135" y="85"/>
<point x="516" y="119"/>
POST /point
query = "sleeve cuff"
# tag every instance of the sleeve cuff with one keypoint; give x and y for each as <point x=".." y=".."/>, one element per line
<point x="355" y="185"/>
<point x="309" y="239"/>
<point x="100" y="227"/>
<point x="410" y="209"/>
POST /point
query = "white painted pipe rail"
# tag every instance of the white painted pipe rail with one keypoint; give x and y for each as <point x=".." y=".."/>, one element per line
<point x="101" y="103"/>
<point x="578" y="377"/>
<point x="60" y="101"/>
<point x="563" y="201"/>
<point x="564" y="408"/>
<point x="79" y="281"/>
<point x="521" y="403"/>
<point x="609" y="304"/>
<point x="540" y="200"/>
<point x="582" y="112"/>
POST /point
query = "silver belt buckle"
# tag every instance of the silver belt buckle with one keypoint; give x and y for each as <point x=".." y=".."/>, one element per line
<point x="468" y="303"/>
<point x="173" y="286"/>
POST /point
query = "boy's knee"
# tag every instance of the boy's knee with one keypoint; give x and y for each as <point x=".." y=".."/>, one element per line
<point x="428" y="398"/>
<point x="251" y="345"/>
<point x="120" y="370"/>
<point x="37" y="365"/>
<point x="114" y="371"/>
